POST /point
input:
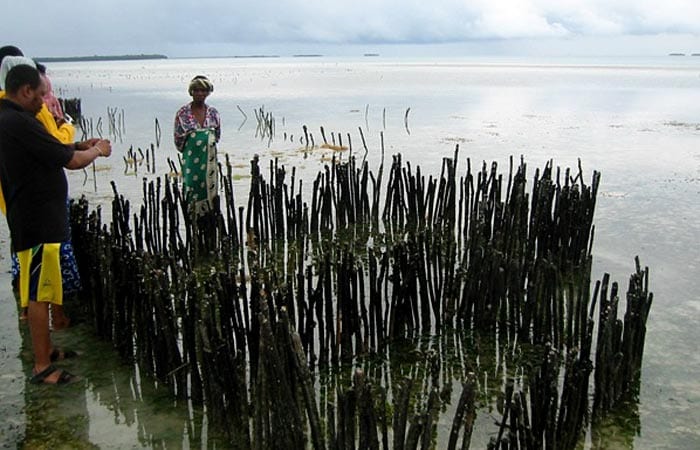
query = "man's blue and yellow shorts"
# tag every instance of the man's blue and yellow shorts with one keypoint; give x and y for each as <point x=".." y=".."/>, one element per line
<point x="40" y="274"/>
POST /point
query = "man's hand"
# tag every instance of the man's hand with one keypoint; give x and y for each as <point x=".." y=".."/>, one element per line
<point x="104" y="146"/>
<point x="87" y="144"/>
<point x="88" y="151"/>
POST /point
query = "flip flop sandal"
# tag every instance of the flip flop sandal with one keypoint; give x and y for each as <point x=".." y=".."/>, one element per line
<point x="65" y="377"/>
<point x="60" y="355"/>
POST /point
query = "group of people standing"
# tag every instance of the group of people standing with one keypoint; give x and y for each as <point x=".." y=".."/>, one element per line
<point x="54" y="120"/>
<point x="36" y="145"/>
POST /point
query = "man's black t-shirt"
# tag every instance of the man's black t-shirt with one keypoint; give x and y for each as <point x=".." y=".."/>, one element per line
<point x="32" y="178"/>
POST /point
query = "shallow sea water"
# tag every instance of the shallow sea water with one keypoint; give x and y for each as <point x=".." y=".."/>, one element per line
<point x="636" y="121"/>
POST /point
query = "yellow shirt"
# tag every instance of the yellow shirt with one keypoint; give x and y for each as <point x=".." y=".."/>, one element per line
<point x="65" y="134"/>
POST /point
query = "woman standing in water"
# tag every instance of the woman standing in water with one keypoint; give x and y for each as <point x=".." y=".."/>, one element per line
<point x="197" y="131"/>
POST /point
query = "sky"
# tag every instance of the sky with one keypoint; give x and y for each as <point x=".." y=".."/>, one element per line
<point x="187" y="28"/>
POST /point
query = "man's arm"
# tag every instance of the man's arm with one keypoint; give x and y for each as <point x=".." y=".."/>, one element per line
<point x="88" y="151"/>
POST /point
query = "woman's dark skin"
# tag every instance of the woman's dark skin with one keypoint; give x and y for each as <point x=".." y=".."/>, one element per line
<point x="198" y="109"/>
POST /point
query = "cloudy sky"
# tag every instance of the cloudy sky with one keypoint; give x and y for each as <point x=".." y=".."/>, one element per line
<point x="285" y="27"/>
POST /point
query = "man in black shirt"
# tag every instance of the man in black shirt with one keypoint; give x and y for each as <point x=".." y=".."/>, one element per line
<point x="35" y="188"/>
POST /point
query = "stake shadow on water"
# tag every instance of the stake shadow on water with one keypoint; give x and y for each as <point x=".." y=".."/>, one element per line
<point x="111" y="406"/>
<point x="355" y="319"/>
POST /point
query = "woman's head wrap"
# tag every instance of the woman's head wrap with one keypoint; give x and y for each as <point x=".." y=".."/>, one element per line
<point x="200" y="82"/>
<point x="9" y="62"/>
<point x="9" y="50"/>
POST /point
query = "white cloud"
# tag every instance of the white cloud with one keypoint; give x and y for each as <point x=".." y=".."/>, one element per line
<point x="110" y="26"/>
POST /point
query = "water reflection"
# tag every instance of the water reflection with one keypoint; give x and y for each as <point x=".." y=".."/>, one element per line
<point x="618" y="430"/>
<point x="114" y="407"/>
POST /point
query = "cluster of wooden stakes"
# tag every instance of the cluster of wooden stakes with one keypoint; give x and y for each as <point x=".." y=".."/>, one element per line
<point x="371" y="310"/>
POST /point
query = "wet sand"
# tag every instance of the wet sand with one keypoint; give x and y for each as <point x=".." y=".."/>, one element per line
<point x="12" y="380"/>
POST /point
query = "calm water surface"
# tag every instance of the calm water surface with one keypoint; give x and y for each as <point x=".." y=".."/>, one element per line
<point x="637" y="121"/>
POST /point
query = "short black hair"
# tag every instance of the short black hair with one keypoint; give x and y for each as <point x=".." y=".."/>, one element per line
<point x="21" y="75"/>
<point x="40" y="67"/>
<point x="9" y="50"/>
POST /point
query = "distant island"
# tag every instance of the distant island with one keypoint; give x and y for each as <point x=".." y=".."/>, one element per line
<point x="371" y="54"/>
<point x="676" y="54"/>
<point x="311" y="55"/>
<point x="256" y="56"/>
<point x="49" y="59"/>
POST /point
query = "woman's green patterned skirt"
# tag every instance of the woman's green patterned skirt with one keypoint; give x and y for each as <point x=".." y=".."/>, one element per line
<point x="200" y="170"/>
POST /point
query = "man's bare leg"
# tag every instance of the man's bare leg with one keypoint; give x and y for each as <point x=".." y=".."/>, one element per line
<point x="59" y="320"/>
<point x="41" y="338"/>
